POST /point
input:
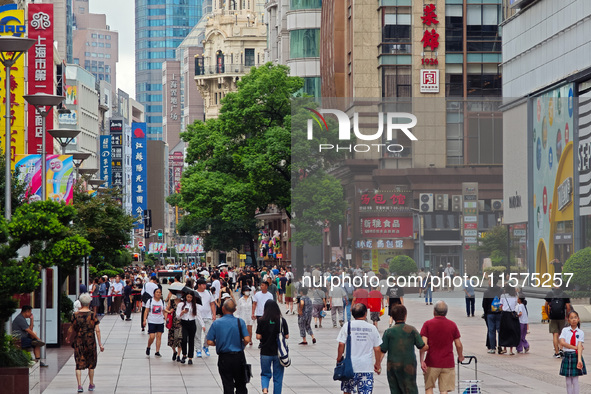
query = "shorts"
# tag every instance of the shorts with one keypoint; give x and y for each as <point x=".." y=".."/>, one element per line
<point x="154" y="328"/>
<point x="316" y="310"/>
<point x="288" y="299"/>
<point x="362" y="383"/>
<point x="556" y="326"/>
<point x="281" y="291"/>
<point x="374" y="316"/>
<point x="26" y="343"/>
<point x="445" y="376"/>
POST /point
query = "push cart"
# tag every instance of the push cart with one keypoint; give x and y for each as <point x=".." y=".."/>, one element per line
<point x="469" y="386"/>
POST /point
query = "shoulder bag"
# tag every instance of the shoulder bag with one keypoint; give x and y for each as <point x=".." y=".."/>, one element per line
<point x="247" y="367"/>
<point x="146" y="296"/>
<point x="514" y="314"/>
<point x="344" y="369"/>
<point x="282" y="349"/>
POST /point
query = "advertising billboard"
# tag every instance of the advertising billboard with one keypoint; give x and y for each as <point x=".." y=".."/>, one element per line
<point x="59" y="181"/>
<point x="139" y="181"/>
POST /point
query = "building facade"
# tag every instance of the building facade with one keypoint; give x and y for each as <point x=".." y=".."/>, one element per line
<point x="161" y="26"/>
<point x="547" y="85"/>
<point x="439" y="61"/>
<point x="235" y="40"/>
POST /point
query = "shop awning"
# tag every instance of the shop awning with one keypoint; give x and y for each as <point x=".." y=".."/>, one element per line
<point x="443" y="243"/>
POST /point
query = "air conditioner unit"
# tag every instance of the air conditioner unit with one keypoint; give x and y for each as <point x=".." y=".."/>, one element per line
<point x="481" y="206"/>
<point x="497" y="205"/>
<point x="441" y="202"/>
<point x="456" y="203"/>
<point x="426" y="202"/>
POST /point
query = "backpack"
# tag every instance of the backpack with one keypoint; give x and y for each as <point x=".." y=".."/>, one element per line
<point x="282" y="349"/>
<point x="557" y="309"/>
<point x="495" y="306"/>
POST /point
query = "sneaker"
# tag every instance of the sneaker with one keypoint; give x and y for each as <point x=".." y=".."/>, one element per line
<point x="173" y="356"/>
<point x="127" y="319"/>
<point x="190" y="362"/>
<point x="148" y="351"/>
<point x="334" y="326"/>
<point x="42" y="364"/>
<point x="91" y="387"/>
<point x="206" y="351"/>
<point x="491" y="351"/>
<point x="157" y="354"/>
<point x="315" y="325"/>
<point x="561" y="353"/>
<point x="37" y="343"/>
<point x="313" y="340"/>
<point x="121" y="316"/>
<point x="178" y="359"/>
<point x="198" y="354"/>
<point x="526" y="350"/>
<point x="556" y="355"/>
<point x="287" y="312"/>
<point x="320" y="326"/>
<point x="183" y="359"/>
<point x="80" y="389"/>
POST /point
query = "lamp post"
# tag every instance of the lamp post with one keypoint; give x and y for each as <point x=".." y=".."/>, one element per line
<point x="78" y="158"/>
<point x="64" y="137"/>
<point x="96" y="183"/>
<point x="89" y="171"/>
<point x="43" y="103"/>
<point x="416" y="213"/>
<point x="11" y="49"/>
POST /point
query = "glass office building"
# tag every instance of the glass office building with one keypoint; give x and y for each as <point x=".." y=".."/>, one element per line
<point x="160" y="26"/>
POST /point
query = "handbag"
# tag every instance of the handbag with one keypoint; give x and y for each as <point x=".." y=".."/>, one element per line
<point x="169" y="321"/>
<point x="282" y="349"/>
<point x="146" y="296"/>
<point x="247" y="367"/>
<point x="514" y="314"/>
<point x="344" y="369"/>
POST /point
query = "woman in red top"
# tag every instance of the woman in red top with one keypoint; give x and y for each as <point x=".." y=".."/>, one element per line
<point x="375" y="305"/>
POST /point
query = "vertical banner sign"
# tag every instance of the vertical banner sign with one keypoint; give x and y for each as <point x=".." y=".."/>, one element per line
<point x="139" y="181"/>
<point x="105" y="160"/>
<point x="12" y="24"/>
<point x="176" y="162"/>
<point x="116" y="129"/>
<point x="470" y="212"/>
<point x="40" y="66"/>
<point x="430" y="40"/>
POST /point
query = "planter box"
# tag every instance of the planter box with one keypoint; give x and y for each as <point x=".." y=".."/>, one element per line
<point x="20" y="380"/>
<point x="580" y="301"/>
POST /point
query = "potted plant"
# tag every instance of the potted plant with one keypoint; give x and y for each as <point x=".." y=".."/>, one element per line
<point x="18" y="373"/>
<point x="66" y="310"/>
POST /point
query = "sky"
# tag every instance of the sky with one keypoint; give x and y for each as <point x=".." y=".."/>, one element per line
<point x="121" y="18"/>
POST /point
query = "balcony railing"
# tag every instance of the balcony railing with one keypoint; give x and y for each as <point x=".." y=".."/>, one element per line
<point x="224" y="69"/>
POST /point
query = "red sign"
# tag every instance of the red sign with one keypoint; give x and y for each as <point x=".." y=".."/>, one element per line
<point x="140" y="244"/>
<point x="280" y="256"/>
<point x="387" y="227"/>
<point x="471" y="226"/>
<point x="383" y="199"/>
<point x="430" y="38"/>
<point x="40" y="75"/>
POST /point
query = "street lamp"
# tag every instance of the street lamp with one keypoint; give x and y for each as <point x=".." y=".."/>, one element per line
<point x="78" y="158"/>
<point x="64" y="137"/>
<point x="47" y="102"/>
<point x="96" y="183"/>
<point x="11" y="49"/>
<point x="89" y="171"/>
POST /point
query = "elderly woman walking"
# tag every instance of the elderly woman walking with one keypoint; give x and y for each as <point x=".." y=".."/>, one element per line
<point x="86" y="327"/>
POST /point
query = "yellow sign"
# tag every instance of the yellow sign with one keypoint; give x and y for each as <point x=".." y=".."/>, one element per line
<point x="15" y="26"/>
<point x="242" y="264"/>
<point x="242" y="257"/>
<point x="375" y="265"/>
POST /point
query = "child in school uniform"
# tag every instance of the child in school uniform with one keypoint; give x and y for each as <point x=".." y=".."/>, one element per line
<point x="573" y="365"/>
<point x="521" y="310"/>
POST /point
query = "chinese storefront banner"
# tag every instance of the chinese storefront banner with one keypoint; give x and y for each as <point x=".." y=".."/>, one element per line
<point x="384" y="244"/>
<point x="387" y="227"/>
<point x="429" y="78"/>
<point x="105" y="160"/>
<point x="176" y="162"/>
<point x="13" y="24"/>
<point x="116" y="130"/>
<point x="60" y="176"/>
<point x="40" y="74"/>
<point x="385" y="200"/>
<point x="139" y="172"/>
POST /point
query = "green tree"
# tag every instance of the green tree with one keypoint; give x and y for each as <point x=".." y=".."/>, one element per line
<point x="402" y="265"/>
<point x="104" y="223"/>
<point x="18" y="188"/>
<point x="578" y="265"/>
<point x="494" y="244"/>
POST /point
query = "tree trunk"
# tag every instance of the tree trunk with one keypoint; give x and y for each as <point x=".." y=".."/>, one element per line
<point x="253" y="253"/>
<point x="299" y="262"/>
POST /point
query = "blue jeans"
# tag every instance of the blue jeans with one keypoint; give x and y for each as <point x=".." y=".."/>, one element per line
<point x="494" y="325"/>
<point x="428" y="294"/>
<point x="277" y="373"/>
<point x="348" y="311"/>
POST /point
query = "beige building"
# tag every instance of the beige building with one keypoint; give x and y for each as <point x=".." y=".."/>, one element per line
<point x="235" y="40"/>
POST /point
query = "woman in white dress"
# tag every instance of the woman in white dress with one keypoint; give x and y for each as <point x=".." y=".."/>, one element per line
<point x="244" y="309"/>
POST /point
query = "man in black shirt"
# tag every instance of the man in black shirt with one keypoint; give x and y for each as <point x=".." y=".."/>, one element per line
<point x="492" y="315"/>
<point x="557" y="307"/>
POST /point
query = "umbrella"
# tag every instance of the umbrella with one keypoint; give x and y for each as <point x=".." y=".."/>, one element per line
<point x="176" y="288"/>
<point x="223" y="265"/>
<point x="188" y="290"/>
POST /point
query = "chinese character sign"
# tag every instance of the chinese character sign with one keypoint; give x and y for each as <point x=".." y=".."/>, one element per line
<point x="60" y="176"/>
<point x="105" y="160"/>
<point x="381" y="227"/>
<point x="116" y="129"/>
<point x="40" y="65"/>
<point x="139" y="181"/>
<point x="13" y="24"/>
<point x="430" y="43"/>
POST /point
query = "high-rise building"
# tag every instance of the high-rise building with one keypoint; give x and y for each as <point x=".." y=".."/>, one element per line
<point x="95" y="45"/>
<point x="161" y="26"/>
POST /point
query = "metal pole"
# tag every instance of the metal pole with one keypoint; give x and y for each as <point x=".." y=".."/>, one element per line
<point x="7" y="175"/>
<point x="43" y="313"/>
<point x="77" y="282"/>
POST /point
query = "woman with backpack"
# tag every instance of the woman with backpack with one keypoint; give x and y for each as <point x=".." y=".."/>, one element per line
<point x="269" y="327"/>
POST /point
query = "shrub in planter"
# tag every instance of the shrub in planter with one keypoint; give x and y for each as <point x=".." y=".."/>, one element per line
<point x="402" y="265"/>
<point x="578" y="265"/>
<point x="495" y="270"/>
<point x="11" y="355"/>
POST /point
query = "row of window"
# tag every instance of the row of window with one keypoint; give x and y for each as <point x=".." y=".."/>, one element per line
<point x="168" y="21"/>
<point x="169" y="43"/>
<point x="143" y="66"/>
<point x="149" y="98"/>
<point x="149" y="87"/>
<point x="304" y="43"/>
<point x="101" y="36"/>
<point x="153" y="108"/>
<point x="101" y="55"/>
<point x="305" y="4"/>
<point x="169" y="54"/>
<point x="98" y="44"/>
<point x="102" y="77"/>
<point x="168" y="32"/>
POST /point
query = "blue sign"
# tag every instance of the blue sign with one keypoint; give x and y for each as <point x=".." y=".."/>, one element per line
<point x="105" y="160"/>
<point x="139" y="179"/>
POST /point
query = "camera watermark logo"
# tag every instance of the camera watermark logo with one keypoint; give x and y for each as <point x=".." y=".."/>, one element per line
<point x="345" y="130"/>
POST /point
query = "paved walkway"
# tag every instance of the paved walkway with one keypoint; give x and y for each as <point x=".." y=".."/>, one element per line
<point x="124" y="367"/>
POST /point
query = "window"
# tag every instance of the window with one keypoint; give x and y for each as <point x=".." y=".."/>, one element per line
<point x="76" y="60"/>
<point x="108" y="45"/>
<point x="304" y="43"/>
<point x="87" y="44"/>
<point x="305" y="4"/>
<point x="101" y="44"/>
<point x="454" y="81"/>
<point x="93" y="54"/>
<point x="249" y="57"/>
<point x="396" y="25"/>
<point x="455" y="133"/>
<point x="93" y="35"/>
<point x="483" y="32"/>
<point x="81" y="10"/>
<point x="101" y="36"/>
<point x="100" y="54"/>
<point x="484" y="80"/>
<point x="454" y="26"/>
<point x="93" y="44"/>
<point x="485" y="139"/>
<point x="108" y="37"/>
<point x="107" y="56"/>
<point x="396" y="81"/>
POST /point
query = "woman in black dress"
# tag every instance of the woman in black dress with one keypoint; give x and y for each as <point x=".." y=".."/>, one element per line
<point x="86" y="326"/>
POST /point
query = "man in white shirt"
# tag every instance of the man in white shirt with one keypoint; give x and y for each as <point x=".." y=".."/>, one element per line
<point x="148" y="288"/>
<point x="215" y="285"/>
<point x="449" y="271"/>
<point x="117" y="293"/>
<point x="365" y="351"/>
<point x="207" y="312"/>
<point x="259" y="300"/>
<point x="336" y="304"/>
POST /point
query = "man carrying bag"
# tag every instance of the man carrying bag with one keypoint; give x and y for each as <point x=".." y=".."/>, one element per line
<point x="229" y="336"/>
